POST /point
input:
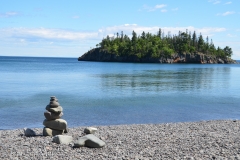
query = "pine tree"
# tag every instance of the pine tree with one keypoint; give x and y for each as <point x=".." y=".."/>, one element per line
<point x="159" y="33"/>
<point x="200" y="43"/>
<point x="134" y="36"/>
<point x="194" y="39"/>
<point x="143" y="35"/>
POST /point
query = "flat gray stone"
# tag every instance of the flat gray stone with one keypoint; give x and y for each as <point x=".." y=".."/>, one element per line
<point x="55" y="110"/>
<point x="58" y="124"/>
<point x="90" y="141"/>
<point x="53" y="104"/>
<point x="90" y="130"/>
<point x="53" y="98"/>
<point x="52" y="115"/>
<point x="28" y="132"/>
<point x="51" y="132"/>
<point x="62" y="139"/>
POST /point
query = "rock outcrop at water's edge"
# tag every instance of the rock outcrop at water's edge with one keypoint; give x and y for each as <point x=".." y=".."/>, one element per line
<point x="100" y="55"/>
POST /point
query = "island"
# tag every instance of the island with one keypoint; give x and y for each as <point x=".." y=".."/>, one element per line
<point x="185" y="47"/>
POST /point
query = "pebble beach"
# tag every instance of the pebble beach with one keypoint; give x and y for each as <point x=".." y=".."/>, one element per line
<point x="217" y="139"/>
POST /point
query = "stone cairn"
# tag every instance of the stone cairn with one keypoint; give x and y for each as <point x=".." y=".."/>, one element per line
<point x="53" y="124"/>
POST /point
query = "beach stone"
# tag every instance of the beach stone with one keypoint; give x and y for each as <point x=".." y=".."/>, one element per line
<point x="66" y="130"/>
<point x="56" y="110"/>
<point x="52" y="115"/>
<point x="53" y="98"/>
<point x="59" y="124"/>
<point x="51" y="132"/>
<point x="62" y="139"/>
<point x="53" y="104"/>
<point x="90" y="141"/>
<point x="29" y="132"/>
<point x="90" y="130"/>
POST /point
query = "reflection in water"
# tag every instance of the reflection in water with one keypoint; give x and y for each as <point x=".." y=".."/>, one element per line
<point x="184" y="80"/>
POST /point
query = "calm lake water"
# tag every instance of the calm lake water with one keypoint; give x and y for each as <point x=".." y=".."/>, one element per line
<point x="95" y="93"/>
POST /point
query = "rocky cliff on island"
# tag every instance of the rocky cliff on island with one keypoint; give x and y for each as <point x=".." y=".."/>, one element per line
<point x="149" y="48"/>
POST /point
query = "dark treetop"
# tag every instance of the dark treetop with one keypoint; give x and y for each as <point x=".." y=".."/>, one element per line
<point x="186" y="47"/>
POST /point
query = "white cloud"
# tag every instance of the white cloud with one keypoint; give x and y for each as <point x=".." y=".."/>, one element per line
<point x="160" y="6"/>
<point x="226" y="13"/>
<point x="163" y="10"/>
<point x="47" y="34"/>
<point x="8" y="14"/>
<point x="51" y="35"/>
<point x="22" y="40"/>
<point x="128" y="28"/>
<point x="228" y="2"/>
<point x="231" y="36"/>
<point x="175" y="9"/>
<point x="130" y="24"/>
<point x="156" y="7"/>
<point x="214" y="1"/>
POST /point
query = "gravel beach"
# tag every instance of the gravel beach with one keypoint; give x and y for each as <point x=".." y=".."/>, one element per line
<point x="217" y="139"/>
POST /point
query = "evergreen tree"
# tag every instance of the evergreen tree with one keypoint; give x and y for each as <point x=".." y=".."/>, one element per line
<point x="121" y="35"/>
<point x="143" y="35"/>
<point x="134" y="36"/>
<point x="194" y="39"/>
<point x="159" y="33"/>
<point x="200" y="43"/>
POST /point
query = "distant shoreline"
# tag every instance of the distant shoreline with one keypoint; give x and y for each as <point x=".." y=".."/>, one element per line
<point x="79" y="59"/>
<point x="99" y="55"/>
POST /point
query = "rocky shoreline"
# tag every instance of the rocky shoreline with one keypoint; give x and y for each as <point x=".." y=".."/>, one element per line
<point x="100" y="55"/>
<point x="217" y="139"/>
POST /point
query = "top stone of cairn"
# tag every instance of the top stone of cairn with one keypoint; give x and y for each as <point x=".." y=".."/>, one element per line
<point x="53" y="98"/>
<point x="53" y="102"/>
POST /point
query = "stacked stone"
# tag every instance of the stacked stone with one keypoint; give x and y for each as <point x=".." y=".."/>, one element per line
<point x="53" y="124"/>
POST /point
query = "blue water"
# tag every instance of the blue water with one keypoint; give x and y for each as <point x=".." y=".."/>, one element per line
<point x="95" y="93"/>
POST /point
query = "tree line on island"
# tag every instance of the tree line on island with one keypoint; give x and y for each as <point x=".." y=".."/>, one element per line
<point x="157" y="46"/>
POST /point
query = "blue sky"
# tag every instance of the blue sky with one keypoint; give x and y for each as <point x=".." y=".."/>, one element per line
<point x="60" y="28"/>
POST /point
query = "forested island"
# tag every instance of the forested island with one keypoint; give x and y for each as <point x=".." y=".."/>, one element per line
<point x="185" y="47"/>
